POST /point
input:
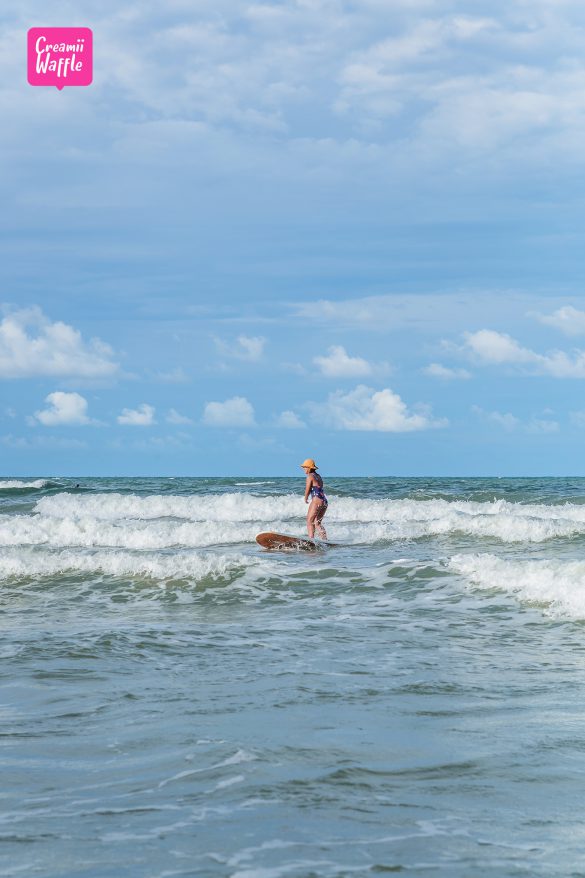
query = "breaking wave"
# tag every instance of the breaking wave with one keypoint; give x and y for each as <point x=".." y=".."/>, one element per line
<point x="19" y="485"/>
<point x="188" y="566"/>
<point x="172" y="537"/>
<point x="557" y="586"/>
<point x="160" y="521"/>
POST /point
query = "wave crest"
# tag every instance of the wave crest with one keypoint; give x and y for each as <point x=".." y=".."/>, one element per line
<point x="19" y="485"/>
<point x="188" y="566"/>
<point x="211" y="519"/>
<point x="558" y="586"/>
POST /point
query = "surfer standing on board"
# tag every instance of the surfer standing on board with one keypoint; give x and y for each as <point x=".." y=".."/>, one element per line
<point x="315" y="496"/>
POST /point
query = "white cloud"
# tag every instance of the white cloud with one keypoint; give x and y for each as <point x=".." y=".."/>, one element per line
<point x="526" y="99"/>
<point x="366" y="409"/>
<point x="313" y="54"/>
<point x="174" y="417"/>
<point x="569" y="320"/>
<point x="542" y="425"/>
<point x="436" y="370"/>
<point x="338" y="364"/>
<point x="234" y="412"/>
<point x="289" y="420"/>
<point x="252" y="348"/>
<point x="143" y="416"/>
<point x="31" y="345"/>
<point x="497" y="348"/>
<point x="420" y="312"/>
<point x="247" y="348"/>
<point x="64" y="408"/>
<point x="509" y="422"/>
<point x="457" y="77"/>
<point x="506" y="420"/>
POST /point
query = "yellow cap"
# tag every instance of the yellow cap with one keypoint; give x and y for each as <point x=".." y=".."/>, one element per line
<point x="309" y="462"/>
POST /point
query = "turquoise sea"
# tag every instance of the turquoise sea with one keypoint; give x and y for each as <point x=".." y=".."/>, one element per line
<point x="175" y="701"/>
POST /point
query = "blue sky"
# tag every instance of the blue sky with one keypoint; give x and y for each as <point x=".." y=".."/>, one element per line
<point x="349" y="230"/>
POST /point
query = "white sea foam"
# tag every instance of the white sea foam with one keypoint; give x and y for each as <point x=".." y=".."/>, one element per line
<point x="138" y="534"/>
<point x="88" y="532"/>
<point x="189" y="566"/>
<point x="10" y="484"/>
<point x="559" y="586"/>
<point x="123" y="520"/>
<point x="250" y="507"/>
<point x="235" y="507"/>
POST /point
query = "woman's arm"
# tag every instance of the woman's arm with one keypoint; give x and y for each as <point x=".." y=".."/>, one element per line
<point x="308" y="484"/>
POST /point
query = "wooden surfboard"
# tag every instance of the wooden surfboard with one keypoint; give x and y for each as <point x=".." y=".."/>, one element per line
<point x="270" y="540"/>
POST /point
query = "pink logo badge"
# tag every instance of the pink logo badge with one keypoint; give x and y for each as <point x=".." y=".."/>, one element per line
<point x="60" y="56"/>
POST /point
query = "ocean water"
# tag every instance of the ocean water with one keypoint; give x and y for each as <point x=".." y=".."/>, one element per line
<point x="176" y="701"/>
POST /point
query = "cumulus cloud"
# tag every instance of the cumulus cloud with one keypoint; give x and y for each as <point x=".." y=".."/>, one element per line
<point x="366" y="409"/>
<point x="245" y="347"/>
<point x="174" y="417"/>
<point x="234" y="412"/>
<point x="31" y="345"/>
<point x="436" y="370"/>
<point x="64" y="408"/>
<point x="496" y="348"/>
<point x="289" y="420"/>
<point x="338" y="364"/>
<point x="569" y="320"/>
<point x="143" y="416"/>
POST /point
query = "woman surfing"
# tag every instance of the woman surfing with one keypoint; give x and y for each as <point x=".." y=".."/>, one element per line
<point x="316" y="497"/>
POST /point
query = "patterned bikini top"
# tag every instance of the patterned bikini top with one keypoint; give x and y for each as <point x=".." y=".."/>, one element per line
<point x="317" y="491"/>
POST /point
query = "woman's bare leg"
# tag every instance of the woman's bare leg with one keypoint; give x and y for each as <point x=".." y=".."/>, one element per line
<point x="312" y="511"/>
<point x="319" y="518"/>
<point x="314" y="517"/>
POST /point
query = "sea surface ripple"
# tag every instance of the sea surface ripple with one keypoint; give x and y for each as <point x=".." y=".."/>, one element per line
<point x="176" y="701"/>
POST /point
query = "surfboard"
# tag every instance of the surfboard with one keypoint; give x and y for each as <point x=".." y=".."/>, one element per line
<point x="270" y="540"/>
